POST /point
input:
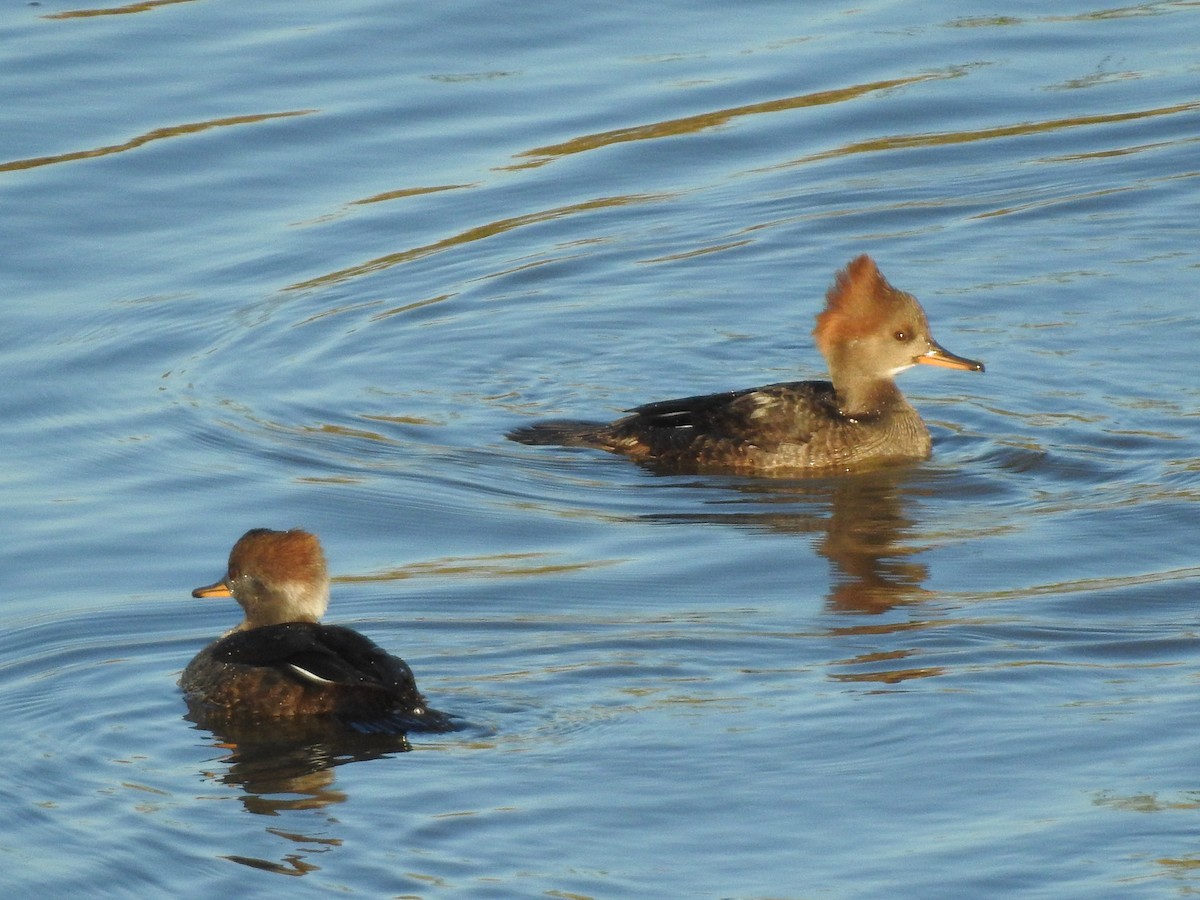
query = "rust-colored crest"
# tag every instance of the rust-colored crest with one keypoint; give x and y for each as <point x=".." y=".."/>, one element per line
<point x="856" y="303"/>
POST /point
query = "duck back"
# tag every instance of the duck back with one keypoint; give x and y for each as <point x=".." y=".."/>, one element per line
<point x="304" y="669"/>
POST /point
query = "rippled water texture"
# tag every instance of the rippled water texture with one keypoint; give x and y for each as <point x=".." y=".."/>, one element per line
<point x="282" y="264"/>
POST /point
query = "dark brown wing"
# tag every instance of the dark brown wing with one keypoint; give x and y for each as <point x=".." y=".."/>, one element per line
<point x="785" y="425"/>
<point x="765" y="417"/>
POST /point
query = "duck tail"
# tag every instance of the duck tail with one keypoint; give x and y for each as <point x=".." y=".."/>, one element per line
<point x="563" y="433"/>
<point x="399" y="722"/>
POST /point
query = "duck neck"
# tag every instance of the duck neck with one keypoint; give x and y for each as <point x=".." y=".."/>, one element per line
<point x="865" y="395"/>
<point x="289" y="601"/>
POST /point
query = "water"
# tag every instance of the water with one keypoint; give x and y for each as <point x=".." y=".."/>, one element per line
<point x="292" y="264"/>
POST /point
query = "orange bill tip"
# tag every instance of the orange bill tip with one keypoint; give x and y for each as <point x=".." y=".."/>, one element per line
<point x="937" y="356"/>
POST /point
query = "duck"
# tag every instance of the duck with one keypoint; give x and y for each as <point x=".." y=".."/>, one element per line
<point x="281" y="662"/>
<point x="868" y="332"/>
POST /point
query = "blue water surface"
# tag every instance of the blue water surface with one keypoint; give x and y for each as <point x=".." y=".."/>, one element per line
<point x="303" y="264"/>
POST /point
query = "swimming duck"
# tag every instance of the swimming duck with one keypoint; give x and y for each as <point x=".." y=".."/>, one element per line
<point x="868" y="333"/>
<point x="281" y="662"/>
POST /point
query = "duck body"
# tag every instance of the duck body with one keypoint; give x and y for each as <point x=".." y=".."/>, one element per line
<point x="298" y="667"/>
<point x="869" y="332"/>
<point x="790" y="427"/>
<point x="307" y="669"/>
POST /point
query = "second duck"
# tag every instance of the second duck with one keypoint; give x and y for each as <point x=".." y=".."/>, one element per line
<point x="281" y="662"/>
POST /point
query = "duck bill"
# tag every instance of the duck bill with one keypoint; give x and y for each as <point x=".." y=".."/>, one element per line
<point x="940" y="356"/>
<point x="220" y="589"/>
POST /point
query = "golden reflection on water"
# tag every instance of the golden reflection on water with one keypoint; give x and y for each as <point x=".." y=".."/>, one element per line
<point x="142" y="6"/>
<point x="1152" y="8"/>
<point x="409" y="307"/>
<point x="157" y="134"/>
<point x="689" y="125"/>
<point x="1080" y="585"/>
<point x="1187" y="801"/>
<point x="1075" y="197"/>
<point x="500" y="565"/>
<point x="705" y="121"/>
<point x="689" y="254"/>
<point x="478" y="233"/>
<point x="410" y="192"/>
<point x="1020" y="129"/>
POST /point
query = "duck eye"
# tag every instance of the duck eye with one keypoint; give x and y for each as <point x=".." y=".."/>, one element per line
<point x="902" y="336"/>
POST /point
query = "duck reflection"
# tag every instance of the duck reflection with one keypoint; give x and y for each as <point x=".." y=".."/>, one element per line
<point x="873" y="567"/>
<point x="865" y="525"/>
<point x="287" y="764"/>
<point x="860" y="524"/>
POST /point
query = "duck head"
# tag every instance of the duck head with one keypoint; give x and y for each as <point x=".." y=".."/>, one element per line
<point x="276" y="577"/>
<point x="869" y="332"/>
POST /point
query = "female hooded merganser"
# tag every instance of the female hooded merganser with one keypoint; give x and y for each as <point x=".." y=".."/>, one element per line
<point x="280" y="661"/>
<point x="868" y="333"/>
